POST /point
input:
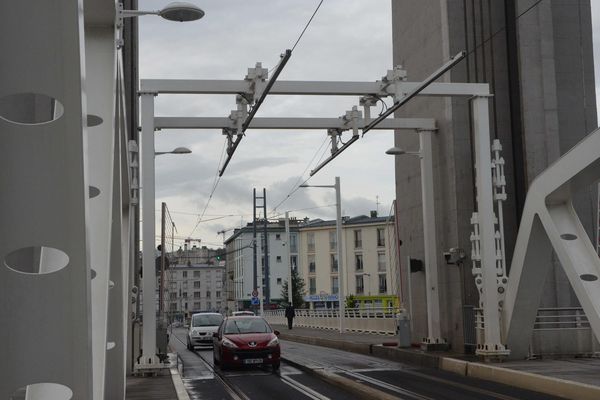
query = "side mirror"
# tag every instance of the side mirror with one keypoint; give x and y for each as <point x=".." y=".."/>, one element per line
<point x="215" y="334"/>
<point x="276" y="333"/>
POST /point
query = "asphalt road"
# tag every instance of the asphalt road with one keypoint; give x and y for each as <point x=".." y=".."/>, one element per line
<point x="297" y="378"/>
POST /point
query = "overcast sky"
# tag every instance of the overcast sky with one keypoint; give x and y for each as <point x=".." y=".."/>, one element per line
<point x="347" y="41"/>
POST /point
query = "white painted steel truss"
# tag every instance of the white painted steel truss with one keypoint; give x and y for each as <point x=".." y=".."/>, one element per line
<point x="549" y="223"/>
<point x="66" y="227"/>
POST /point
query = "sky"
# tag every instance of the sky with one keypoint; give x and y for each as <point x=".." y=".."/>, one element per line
<point x="346" y="41"/>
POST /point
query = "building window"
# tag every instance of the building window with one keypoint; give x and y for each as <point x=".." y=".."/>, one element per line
<point x="332" y="240"/>
<point x="357" y="239"/>
<point x="173" y="296"/>
<point x="335" y="286"/>
<point x="218" y="305"/>
<point x="208" y="293"/>
<point x="196" y="274"/>
<point x="333" y="262"/>
<point x="184" y="295"/>
<point x="196" y="295"/>
<point x="184" y="274"/>
<point x="196" y="305"/>
<point x="358" y="262"/>
<point x="185" y="305"/>
<point x="173" y="307"/>
<point x="310" y="242"/>
<point x="208" y="305"/>
<point x="293" y="244"/>
<point x="196" y="284"/>
<point x="380" y="237"/>
<point x="294" y="262"/>
<point x="312" y="285"/>
<point x="382" y="283"/>
<point x="381" y="261"/>
<point x="278" y="259"/>
<point x="360" y="285"/>
<point x="277" y="236"/>
<point x="279" y="281"/>
<point x="312" y="267"/>
<point x="218" y="294"/>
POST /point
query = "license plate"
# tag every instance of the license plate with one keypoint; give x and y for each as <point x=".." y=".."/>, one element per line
<point x="253" y="361"/>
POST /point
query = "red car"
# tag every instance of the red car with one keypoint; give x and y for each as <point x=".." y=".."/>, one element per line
<point x="246" y="340"/>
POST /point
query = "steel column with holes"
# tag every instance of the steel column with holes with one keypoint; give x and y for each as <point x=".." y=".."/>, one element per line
<point x="101" y="80"/>
<point x="44" y="205"/>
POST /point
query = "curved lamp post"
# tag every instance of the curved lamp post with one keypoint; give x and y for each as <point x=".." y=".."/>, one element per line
<point x="434" y="339"/>
<point x="340" y="259"/>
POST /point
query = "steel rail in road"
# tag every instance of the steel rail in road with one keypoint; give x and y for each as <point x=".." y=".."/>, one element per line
<point x="237" y="394"/>
<point x="231" y="389"/>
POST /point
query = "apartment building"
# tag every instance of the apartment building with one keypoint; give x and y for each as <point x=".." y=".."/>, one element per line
<point x="240" y="261"/>
<point x="369" y="254"/>
<point x="193" y="288"/>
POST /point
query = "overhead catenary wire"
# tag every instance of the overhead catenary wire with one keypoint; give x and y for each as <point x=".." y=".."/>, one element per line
<point x="307" y="25"/>
<point x="297" y="183"/>
<point x="212" y="192"/>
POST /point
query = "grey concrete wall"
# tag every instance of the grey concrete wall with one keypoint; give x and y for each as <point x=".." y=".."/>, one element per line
<point x="557" y="106"/>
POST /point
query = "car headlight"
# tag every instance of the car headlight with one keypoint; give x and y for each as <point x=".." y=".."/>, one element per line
<point x="274" y="342"/>
<point x="228" y="343"/>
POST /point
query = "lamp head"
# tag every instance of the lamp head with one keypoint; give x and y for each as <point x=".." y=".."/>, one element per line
<point x="181" y="12"/>
<point x="181" y="150"/>
<point x="395" y="151"/>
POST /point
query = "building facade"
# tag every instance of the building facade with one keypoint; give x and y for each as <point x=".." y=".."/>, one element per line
<point x="370" y="268"/>
<point x="193" y="288"/>
<point x="537" y="59"/>
<point x="240" y="261"/>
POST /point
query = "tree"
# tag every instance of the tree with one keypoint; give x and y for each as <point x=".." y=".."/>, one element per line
<point x="298" y="290"/>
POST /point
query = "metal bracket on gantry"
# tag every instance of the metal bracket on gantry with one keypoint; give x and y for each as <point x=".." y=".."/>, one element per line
<point x="257" y="89"/>
<point x="549" y="223"/>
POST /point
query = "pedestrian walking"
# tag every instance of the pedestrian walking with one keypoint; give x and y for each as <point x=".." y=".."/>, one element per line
<point x="290" y="313"/>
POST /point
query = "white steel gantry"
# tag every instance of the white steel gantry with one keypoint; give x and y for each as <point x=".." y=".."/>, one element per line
<point x="353" y="120"/>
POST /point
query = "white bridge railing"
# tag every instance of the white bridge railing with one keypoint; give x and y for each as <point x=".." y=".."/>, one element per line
<point x="557" y="331"/>
<point x="371" y="320"/>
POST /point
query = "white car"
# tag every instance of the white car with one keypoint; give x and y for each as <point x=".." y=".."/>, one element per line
<point x="242" y="313"/>
<point x="202" y="327"/>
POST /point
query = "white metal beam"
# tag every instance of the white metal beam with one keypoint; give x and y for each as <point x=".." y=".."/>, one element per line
<point x="148" y="358"/>
<point x="289" y="123"/>
<point x="327" y="88"/>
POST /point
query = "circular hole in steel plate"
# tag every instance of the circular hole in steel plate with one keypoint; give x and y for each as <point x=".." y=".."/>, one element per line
<point x="93" y="192"/>
<point x="93" y="120"/>
<point x="36" y="260"/>
<point x="30" y="108"/>
<point x="588" y="277"/>
<point x="568" y="236"/>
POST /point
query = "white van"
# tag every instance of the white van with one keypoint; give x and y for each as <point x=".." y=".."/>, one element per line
<point x="202" y="327"/>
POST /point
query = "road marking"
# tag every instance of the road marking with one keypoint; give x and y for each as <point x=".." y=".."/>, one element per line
<point x="387" y="386"/>
<point x="305" y="390"/>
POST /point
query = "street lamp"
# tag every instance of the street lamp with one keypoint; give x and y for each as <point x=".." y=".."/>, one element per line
<point x="338" y="228"/>
<point x="177" y="150"/>
<point x="434" y="339"/>
<point x="176" y="11"/>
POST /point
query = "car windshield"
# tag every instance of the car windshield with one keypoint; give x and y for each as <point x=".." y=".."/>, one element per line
<point x="206" y="320"/>
<point x="246" y="325"/>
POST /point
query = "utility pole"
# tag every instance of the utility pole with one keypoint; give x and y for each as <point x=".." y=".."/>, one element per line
<point x="287" y="253"/>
